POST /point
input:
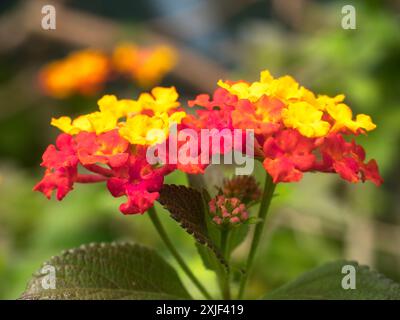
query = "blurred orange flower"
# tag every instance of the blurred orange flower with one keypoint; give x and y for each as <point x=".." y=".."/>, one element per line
<point x="85" y="72"/>
<point x="147" y="66"/>
<point x="82" y="72"/>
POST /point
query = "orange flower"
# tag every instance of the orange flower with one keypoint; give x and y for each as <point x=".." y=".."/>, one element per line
<point x="82" y="72"/>
<point x="147" y="66"/>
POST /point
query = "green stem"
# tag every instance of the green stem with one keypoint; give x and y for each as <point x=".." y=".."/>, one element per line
<point x="225" y="281"/>
<point x="225" y="243"/>
<point x="268" y="192"/>
<point x="161" y="231"/>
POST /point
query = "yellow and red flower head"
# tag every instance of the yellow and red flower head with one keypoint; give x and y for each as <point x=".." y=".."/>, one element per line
<point x="293" y="127"/>
<point x="111" y="145"/>
<point x="295" y="132"/>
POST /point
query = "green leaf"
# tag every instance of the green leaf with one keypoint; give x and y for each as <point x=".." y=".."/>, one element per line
<point x="237" y="236"/>
<point x="108" y="271"/>
<point x="208" y="257"/>
<point x="187" y="208"/>
<point x="325" y="283"/>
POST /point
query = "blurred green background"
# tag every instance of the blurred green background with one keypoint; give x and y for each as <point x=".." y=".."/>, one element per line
<point x="319" y="219"/>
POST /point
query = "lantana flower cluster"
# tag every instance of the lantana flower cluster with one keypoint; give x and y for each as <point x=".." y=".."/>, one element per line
<point x="111" y="145"/>
<point x="227" y="212"/>
<point x="245" y="188"/>
<point x="229" y="208"/>
<point x="85" y="72"/>
<point x="295" y="131"/>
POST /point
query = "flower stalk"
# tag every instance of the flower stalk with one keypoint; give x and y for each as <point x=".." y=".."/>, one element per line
<point x="269" y="188"/>
<point x="225" y="281"/>
<point x="161" y="231"/>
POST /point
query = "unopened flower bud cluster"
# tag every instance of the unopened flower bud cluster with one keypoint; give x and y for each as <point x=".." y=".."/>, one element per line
<point x="228" y="211"/>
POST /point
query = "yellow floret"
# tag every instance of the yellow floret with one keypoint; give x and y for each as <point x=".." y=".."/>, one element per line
<point x="306" y="119"/>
